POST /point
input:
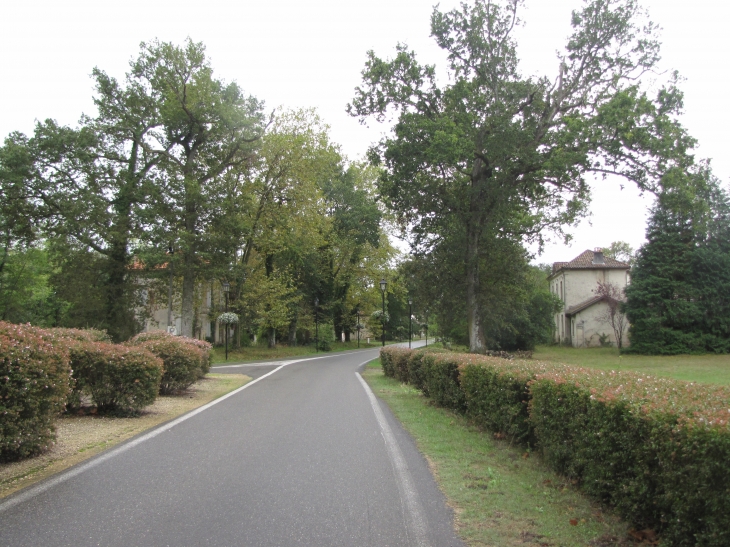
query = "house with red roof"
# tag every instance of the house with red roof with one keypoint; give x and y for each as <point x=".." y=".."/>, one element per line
<point x="581" y="322"/>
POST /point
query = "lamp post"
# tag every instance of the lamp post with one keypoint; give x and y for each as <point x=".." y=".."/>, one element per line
<point x="410" y="321"/>
<point x="357" y="311"/>
<point x="226" y="288"/>
<point x="170" y="250"/>
<point x="383" y="286"/>
<point x="426" y="328"/>
<point x="316" y="325"/>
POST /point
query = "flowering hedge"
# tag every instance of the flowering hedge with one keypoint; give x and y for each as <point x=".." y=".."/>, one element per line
<point x="118" y="378"/>
<point x="184" y="361"/>
<point x="82" y="335"/>
<point x="204" y="347"/>
<point x="656" y="449"/>
<point x="35" y="379"/>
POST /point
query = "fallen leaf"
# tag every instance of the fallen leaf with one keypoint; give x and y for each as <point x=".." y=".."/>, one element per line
<point x="574" y="522"/>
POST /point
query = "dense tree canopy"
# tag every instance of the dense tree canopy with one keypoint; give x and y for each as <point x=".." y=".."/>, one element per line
<point x="492" y="153"/>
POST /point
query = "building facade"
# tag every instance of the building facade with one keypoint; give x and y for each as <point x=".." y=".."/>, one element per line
<point x="582" y="320"/>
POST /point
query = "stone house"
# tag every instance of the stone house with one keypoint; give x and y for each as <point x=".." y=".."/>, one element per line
<point x="581" y="322"/>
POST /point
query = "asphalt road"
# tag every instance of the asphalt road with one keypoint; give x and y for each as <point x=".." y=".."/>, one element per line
<point x="304" y="455"/>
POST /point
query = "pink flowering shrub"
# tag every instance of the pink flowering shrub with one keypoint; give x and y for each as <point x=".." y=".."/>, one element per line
<point x="654" y="448"/>
<point x="83" y="335"/>
<point x="204" y="347"/>
<point x="119" y="379"/>
<point x="183" y="361"/>
<point x="35" y="379"/>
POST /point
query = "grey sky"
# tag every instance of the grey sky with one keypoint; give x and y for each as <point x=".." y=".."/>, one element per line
<point x="310" y="54"/>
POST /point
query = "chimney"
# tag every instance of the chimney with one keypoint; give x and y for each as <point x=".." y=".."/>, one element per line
<point x="598" y="257"/>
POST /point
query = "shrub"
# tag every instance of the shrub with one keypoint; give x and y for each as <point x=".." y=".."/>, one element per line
<point x="82" y="335"/>
<point x="203" y="346"/>
<point x="35" y="379"/>
<point x="119" y="379"/>
<point x="182" y="360"/>
<point x="656" y="449"/>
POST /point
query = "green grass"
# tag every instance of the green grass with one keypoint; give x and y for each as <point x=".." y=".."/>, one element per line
<point x="262" y="352"/>
<point x="502" y="495"/>
<point x="712" y="369"/>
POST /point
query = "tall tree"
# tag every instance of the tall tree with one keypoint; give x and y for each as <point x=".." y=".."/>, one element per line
<point x="492" y="151"/>
<point x="679" y="297"/>
<point x="209" y="134"/>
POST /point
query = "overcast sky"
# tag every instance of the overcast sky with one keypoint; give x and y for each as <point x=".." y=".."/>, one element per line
<point x="309" y="54"/>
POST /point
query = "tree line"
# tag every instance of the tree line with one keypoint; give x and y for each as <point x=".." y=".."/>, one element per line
<point x="180" y="174"/>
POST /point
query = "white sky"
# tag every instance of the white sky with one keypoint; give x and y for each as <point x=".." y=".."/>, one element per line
<point x="310" y="54"/>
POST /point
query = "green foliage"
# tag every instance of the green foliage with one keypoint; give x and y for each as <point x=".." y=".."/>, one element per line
<point x="119" y="379"/>
<point x="492" y="154"/>
<point x="679" y="297"/>
<point x="35" y="379"/>
<point x="655" y="449"/>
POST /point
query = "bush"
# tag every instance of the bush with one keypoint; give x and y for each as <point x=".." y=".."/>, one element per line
<point x="82" y="335"/>
<point x="119" y="379"/>
<point x="203" y="346"/>
<point x="35" y="379"/>
<point x="655" y="449"/>
<point x="182" y="360"/>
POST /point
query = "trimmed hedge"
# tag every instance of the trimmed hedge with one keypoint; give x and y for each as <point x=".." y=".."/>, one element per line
<point x="35" y="379"/>
<point x="184" y="362"/>
<point x="205" y="347"/>
<point x="655" y="449"/>
<point x="119" y="379"/>
<point x="82" y="335"/>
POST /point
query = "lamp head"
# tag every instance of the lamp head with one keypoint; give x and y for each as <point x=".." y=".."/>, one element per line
<point x="383" y="284"/>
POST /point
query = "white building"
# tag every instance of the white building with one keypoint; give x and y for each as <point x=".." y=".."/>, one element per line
<point x="581" y="322"/>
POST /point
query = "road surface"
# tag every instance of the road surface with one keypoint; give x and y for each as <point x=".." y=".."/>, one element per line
<point x="303" y="456"/>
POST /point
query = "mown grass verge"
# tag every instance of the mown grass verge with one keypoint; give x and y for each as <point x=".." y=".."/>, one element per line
<point x="502" y="495"/>
<point x="78" y="438"/>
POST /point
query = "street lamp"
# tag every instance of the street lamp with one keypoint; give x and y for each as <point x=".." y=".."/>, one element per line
<point x="316" y="325"/>
<point x="426" y="311"/>
<point x="383" y="286"/>
<point x="226" y="289"/>
<point x="410" y="321"/>
<point x="357" y="311"/>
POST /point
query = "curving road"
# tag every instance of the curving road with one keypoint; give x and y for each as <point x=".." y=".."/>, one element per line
<point x="305" y="455"/>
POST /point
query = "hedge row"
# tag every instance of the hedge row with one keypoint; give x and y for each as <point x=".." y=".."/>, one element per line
<point x="655" y="449"/>
<point x="185" y="359"/>
<point x="35" y="379"/>
<point x="44" y="371"/>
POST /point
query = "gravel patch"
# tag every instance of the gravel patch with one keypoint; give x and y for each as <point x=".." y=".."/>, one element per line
<point x="80" y="437"/>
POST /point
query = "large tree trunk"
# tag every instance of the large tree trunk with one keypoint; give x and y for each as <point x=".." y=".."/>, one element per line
<point x="477" y="343"/>
<point x="188" y="291"/>
<point x="272" y="338"/>
<point x="292" y="338"/>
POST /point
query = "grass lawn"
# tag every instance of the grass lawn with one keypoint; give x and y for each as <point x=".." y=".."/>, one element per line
<point x="501" y="494"/>
<point x="712" y="369"/>
<point x="262" y="352"/>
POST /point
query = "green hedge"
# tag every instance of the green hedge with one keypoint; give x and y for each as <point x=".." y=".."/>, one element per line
<point x="35" y="379"/>
<point x="205" y="348"/>
<point x="655" y="449"/>
<point x="184" y="362"/>
<point x="119" y="379"/>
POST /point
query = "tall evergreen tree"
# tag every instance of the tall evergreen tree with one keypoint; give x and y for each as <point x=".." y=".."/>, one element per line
<point x="679" y="297"/>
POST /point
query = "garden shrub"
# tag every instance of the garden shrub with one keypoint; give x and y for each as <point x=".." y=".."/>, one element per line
<point x="183" y="362"/>
<point x="656" y="449"/>
<point x="35" y="379"/>
<point x="205" y="348"/>
<point x="440" y="379"/>
<point x="82" y="335"/>
<point x="119" y="379"/>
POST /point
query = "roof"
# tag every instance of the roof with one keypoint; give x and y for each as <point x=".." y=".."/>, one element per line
<point x="572" y="310"/>
<point x="590" y="260"/>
